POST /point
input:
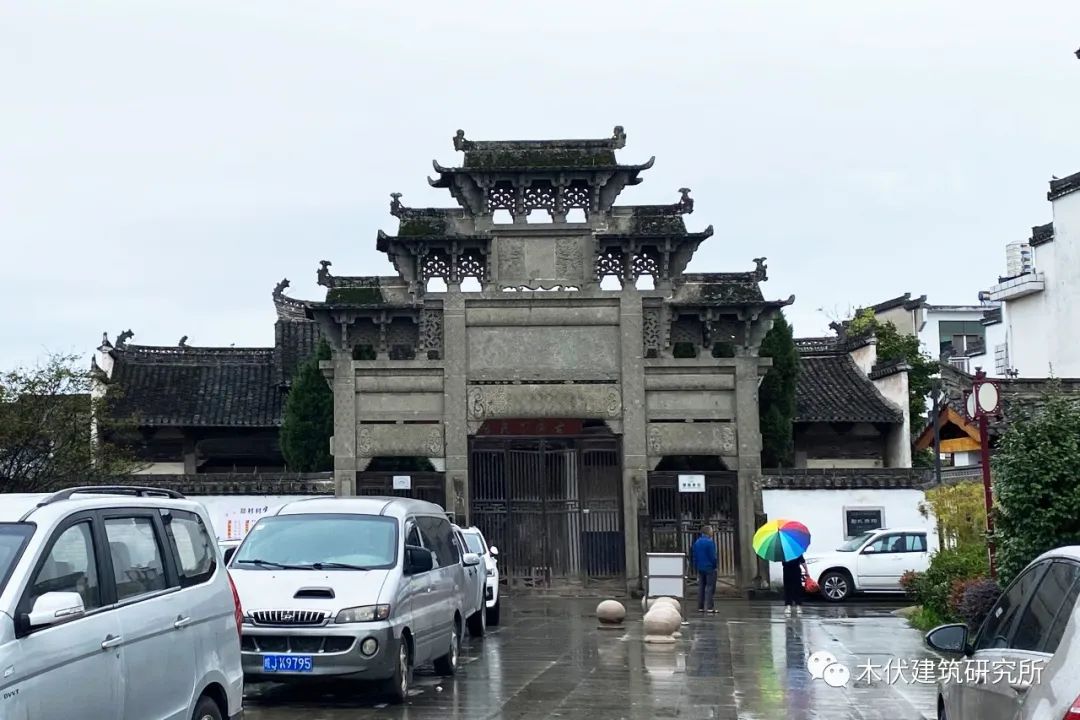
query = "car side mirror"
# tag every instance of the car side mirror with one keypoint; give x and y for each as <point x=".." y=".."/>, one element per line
<point x="470" y="559"/>
<point x="54" y="608"/>
<point x="494" y="551"/>
<point x="418" y="560"/>
<point x="869" y="550"/>
<point x="952" y="639"/>
<point x="229" y="552"/>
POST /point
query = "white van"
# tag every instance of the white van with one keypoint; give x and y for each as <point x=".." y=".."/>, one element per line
<point x="114" y="603"/>
<point x="366" y="588"/>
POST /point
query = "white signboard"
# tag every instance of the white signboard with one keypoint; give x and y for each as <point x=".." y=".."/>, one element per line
<point x="692" y="483"/>
<point x="232" y="516"/>
<point x="403" y="482"/>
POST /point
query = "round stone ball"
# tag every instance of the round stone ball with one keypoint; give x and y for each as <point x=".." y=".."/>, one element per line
<point x="672" y="602"/>
<point x="611" y="612"/>
<point x="662" y="619"/>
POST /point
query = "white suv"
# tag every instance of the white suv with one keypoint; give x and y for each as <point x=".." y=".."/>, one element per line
<point x="476" y="543"/>
<point x="872" y="562"/>
<point x="114" y="603"/>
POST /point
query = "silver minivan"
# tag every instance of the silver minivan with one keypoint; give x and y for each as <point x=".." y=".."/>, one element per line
<point x="114" y="603"/>
<point x="360" y="587"/>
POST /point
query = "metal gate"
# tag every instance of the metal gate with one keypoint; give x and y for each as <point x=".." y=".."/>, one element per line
<point x="675" y="518"/>
<point x="426" y="485"/>
<point x="552" y="506"/>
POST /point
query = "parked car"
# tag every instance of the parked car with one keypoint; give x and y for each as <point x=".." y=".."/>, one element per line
<point x="114" y="603"/>
<point x="1034" y="624"/>
<point x="477" y="543"/>
<point x="474" y="587"/>
<point x="873" y="561"/>
<point x="362" y="587"/>
<point x="228" y="548"/>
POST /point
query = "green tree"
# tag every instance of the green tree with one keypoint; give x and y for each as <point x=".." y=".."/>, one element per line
<point x="55" y="432"/>
<point x="895" y="345"/>
<point x="1036" y="465"/>
<point x="309" y="417"/>
<point x="776" y="397"/>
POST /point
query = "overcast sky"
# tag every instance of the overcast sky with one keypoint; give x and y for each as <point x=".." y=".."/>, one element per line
<point x="164" y="163"/>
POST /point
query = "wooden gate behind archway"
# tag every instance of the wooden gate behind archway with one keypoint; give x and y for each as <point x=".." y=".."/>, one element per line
<point x="552" y="506"/>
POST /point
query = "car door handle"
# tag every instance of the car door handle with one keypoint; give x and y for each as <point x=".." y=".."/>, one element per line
<point x="181" y="622"/>
<point x="111" y="641"/>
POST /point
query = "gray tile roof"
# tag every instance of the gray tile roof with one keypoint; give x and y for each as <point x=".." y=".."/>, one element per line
<point x="831" y="388"/>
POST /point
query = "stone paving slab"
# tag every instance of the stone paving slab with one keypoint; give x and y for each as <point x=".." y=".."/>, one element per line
<point x="548" y="661"/>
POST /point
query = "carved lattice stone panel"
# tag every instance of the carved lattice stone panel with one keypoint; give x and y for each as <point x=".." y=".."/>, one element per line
<point x="436" y="264"/>
<point x="402" y="331"/>
<point x="472" y="263"/>
<point x="525" y="401"/>
<point x="501" y="197"/>
<point x="650" y="327"/>
<point x="724" y="331"/>
<point x="687" y="330"/>
<point x="431" y="333"/>
<point x="540" y="196"/>
<point x="577" y="196"/>
<point x="364" y="332"/>
<point x="609" y="262"/>
<point x="646" y="262"/>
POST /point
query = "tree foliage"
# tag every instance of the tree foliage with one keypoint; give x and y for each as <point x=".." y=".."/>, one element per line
<point x="308" y="424"/>
<point x="895" y="345"/>
<point x="776" y="397"/>
<point x="960" y="511"/>
<point x="1036" y="467"/>
<point x="53" y="431"/>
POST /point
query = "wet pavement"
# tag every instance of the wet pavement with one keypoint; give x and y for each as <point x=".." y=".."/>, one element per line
<point x="549" y="660"/>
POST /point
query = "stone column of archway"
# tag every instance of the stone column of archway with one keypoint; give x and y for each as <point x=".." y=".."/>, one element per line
<point x="342" y="376"/>
<point x="634" y="448"/>
<point x="747" y="375"/>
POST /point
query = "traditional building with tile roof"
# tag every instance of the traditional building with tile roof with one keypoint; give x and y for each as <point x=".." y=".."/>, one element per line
<point x="851" y="410"/>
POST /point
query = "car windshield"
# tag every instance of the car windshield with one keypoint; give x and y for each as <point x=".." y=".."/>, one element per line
<point x="855" y="543"/>
<point x="13" y="538"/>
<point x="319" y="542"/>
<point x="473" y="542"/>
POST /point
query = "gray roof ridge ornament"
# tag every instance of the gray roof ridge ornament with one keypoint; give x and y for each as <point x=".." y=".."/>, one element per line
<point x="122" y="338"/>
<point x="324" y="277"/>
<point x="279" y="289"/>
<point x="685" y="205"/>
<point x="396" y="207"/>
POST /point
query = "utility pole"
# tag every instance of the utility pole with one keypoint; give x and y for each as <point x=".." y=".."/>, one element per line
<point x="982" y="402"/>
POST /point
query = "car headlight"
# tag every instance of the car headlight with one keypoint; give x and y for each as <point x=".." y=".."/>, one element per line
<point x="363" y="613"/>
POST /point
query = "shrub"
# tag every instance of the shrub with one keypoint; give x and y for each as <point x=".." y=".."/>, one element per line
<point x="1035" y="470"/>
<point x="933" y="588"/>
<point x="908" y="581"/>
<point x="960" y="511"/>
<point x="979" y="596"/>
<point x="923" y="619"/>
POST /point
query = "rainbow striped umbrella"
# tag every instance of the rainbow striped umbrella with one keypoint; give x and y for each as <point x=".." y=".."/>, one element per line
<point x="780" y="540"/>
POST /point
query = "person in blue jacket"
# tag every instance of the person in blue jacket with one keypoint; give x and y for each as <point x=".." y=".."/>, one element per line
<point x="703" y="555"/>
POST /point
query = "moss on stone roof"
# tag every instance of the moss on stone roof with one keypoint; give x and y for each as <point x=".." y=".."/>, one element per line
<point x="355" y="296"/>
<point x="554" y="157"/>
<point x="421" y="226"/>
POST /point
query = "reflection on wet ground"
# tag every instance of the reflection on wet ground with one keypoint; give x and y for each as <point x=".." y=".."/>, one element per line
<point x="548" y="660"/>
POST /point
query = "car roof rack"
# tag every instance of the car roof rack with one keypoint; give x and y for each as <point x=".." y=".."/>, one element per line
<point x="136" y="490"/>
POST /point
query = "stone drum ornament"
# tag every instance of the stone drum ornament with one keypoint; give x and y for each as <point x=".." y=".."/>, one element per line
<point x="611" y="614"/>
<point x="661" y="623"/>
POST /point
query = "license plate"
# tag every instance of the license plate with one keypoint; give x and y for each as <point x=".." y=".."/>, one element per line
<point x="286" y="663"/>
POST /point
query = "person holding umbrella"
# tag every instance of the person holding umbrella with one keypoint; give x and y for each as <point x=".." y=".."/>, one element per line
<point x="793" y="584"/>
<point x="785" y="541"/>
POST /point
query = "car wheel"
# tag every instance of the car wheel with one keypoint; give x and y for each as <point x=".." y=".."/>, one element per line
<point x="478" y="623"/>
<point x="493" y="613"/>
<point x="835" y="586"/>
<point x="447" y="664"/>
<point x="207" y="709"/>
<point x="397" y="685"/>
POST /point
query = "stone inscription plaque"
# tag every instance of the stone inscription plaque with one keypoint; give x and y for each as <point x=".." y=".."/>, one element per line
<point x="546" y="401"/>
<point x="692" y="439"/>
